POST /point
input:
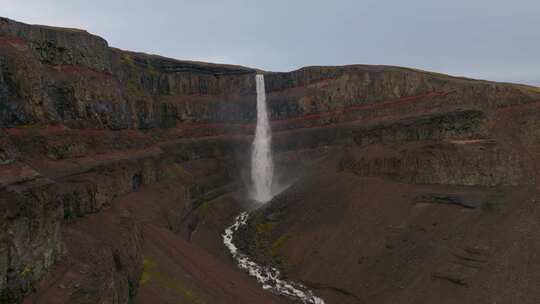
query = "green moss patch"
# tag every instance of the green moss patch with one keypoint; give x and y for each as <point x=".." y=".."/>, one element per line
<point x="152" y="274"/>
<point x="262" y="240"/>
<point x="176" y="171"/>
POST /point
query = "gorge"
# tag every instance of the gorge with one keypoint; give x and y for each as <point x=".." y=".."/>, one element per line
<point x="262" y="172"/>
<point x="120" y="172"/>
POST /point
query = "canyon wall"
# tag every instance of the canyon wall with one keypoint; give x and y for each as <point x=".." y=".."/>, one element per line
<point x="84" y="124"/>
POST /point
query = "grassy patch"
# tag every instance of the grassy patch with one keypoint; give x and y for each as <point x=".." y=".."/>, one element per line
<point x="265" y="228"/>
<point x="492" y="205"/>
<point x="203" y="211"/>
<point x="26" y="271"/>
<point x="441" y="75"/>
<point x="530" y="89"/>
<point x="147" y="267"/>
<point x="150" y="273"/>
<point x="152" y="71"/>
<point x="132" y="84"/>
<point x="128" y="60"/>
<point x="265" y="241"/>
<point x="176" y="171"/>
<point x="277" y="244"/>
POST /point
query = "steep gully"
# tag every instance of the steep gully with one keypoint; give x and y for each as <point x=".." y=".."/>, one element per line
<point x="262" y="170"/>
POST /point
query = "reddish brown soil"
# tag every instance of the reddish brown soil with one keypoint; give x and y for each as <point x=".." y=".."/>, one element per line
<point x="368" y="240"/>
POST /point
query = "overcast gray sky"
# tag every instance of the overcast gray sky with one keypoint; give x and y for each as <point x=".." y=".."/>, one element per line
<point x="490" y="39"/>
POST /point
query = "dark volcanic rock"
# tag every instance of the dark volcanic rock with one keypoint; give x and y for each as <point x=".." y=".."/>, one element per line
<point x="85" y="126"/>
<point x="57" y="46"/>
<point x="31" y="236"/>
<point x="52" y="74"/>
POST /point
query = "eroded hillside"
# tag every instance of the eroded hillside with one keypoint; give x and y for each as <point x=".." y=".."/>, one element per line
<point x="120" y="170"/>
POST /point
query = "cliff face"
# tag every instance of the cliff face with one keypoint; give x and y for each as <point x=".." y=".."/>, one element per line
<point x="85" y="125"/>
<point x="53" y="75"/>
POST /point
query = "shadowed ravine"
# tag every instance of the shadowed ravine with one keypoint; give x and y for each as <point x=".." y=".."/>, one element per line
<point x="262" y="171"/>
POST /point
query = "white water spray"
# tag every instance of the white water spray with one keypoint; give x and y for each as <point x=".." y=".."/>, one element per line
<point x="262" y="167"/>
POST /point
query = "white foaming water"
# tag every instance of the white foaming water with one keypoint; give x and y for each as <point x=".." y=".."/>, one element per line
<point x="262" y="167"/>
<point x="268" y="277"/>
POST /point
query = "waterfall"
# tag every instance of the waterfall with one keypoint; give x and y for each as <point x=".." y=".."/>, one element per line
<point x="262" y="173"/>
<point x="262" y="167"/>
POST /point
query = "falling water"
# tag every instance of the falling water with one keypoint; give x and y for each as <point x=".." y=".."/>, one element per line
<point x="262" y="171"/>
<point x="262" y="168"/>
